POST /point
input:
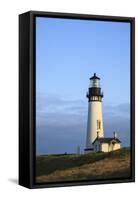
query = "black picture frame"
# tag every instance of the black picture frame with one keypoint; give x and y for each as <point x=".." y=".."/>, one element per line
<point x="27" y="73"/>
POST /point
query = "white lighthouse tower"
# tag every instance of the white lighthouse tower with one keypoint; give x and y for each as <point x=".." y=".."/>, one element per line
<point x="95" y="119"/>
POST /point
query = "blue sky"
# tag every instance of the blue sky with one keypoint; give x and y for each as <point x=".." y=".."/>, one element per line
<point x="68" y="52"/>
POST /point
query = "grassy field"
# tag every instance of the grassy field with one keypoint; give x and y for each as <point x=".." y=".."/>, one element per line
<point x="92" y="166"/>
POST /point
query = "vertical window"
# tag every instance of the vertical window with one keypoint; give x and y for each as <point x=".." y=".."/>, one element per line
<point x="98" y="124"/>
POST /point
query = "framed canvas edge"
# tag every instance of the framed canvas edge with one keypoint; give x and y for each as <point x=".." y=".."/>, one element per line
<point x="24" y="143"/>
<point x="31" y="103"/>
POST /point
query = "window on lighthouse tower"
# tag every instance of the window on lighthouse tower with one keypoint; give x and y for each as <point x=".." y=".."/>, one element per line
<point x="98" y="124"/>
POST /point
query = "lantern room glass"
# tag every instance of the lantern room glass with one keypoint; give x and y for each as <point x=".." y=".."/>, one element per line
<point x="94" y="83"/>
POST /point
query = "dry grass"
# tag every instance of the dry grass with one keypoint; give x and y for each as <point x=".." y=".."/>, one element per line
<point x="85" y="167"/>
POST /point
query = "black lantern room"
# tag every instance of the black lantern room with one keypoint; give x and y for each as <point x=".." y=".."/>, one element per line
<point x="94" y="93"/>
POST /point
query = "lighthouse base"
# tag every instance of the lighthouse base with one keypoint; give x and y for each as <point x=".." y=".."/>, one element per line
<point x="88" y="150"/>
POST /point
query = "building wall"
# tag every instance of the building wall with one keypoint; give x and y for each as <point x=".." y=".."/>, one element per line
<point x="114" y="147"/>
<point x="109" y="147"/>
<point x="104" y="147"/>
<point x="94" y="114"/>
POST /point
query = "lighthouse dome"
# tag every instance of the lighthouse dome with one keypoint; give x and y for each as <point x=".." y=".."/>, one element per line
<point x="95" y="81"/>
<point x="94" y="77"/>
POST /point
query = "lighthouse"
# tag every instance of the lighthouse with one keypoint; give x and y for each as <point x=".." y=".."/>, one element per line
<point x="95" y="116"/>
